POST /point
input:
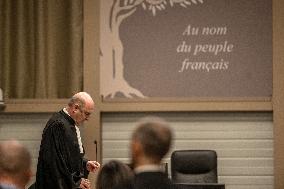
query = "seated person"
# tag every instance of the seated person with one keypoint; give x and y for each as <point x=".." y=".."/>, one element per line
<point x="150" y="142"/>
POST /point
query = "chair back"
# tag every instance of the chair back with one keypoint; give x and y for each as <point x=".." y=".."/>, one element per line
<point x="194" y="166"/>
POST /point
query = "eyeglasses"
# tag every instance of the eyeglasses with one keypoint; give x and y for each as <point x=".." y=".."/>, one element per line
<point x="87" y="114"/>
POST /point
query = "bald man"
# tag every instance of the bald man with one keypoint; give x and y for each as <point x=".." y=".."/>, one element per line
<point x="15" y="165"/>
<point x="61" y="162"/>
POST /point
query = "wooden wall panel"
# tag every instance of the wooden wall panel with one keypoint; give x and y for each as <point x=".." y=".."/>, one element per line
<point x="243" y="141"/>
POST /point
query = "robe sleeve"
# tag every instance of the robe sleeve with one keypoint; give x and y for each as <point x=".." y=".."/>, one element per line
<point x="86" y="172"/>
<point x="57" y="158"/>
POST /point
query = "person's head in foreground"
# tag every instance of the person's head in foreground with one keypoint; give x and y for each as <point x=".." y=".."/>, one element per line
<point x="113" y="173"/>
<point x="15" y="164"/>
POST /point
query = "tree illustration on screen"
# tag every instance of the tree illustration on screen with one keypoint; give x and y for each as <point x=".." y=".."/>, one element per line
<point x="112" y="54"/>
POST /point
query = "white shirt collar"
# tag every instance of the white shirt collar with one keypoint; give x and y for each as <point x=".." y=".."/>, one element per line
<point x="66" y="112"/>
<point x="148" y="168"/>
<point x="8" y="186"/>
<point x="77" y="132"/>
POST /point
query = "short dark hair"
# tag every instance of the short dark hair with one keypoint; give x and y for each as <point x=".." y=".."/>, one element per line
<point x="155" y="137"/>
<point x="112" y="174"/>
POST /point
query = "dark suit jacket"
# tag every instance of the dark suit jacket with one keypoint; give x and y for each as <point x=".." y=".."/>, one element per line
<point x="148" y="180"/>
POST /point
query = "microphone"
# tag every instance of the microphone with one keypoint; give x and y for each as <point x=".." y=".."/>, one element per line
<point x="95" y="142"/>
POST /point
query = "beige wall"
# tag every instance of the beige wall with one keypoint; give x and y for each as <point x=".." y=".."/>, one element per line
<point x="91" y="84"/>
<point x="275" y="105"/>
<point x="243" y="142"/>
<point x="278" y="92"/>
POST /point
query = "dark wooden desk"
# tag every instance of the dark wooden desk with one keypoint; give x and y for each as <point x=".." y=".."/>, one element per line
<point x="199" y="186"/>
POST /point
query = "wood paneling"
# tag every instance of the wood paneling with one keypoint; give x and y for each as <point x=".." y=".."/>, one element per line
<point x="243" y="141"/>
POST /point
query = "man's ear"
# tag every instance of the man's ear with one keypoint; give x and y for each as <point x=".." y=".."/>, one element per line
<point x="30" y="173"/>
<point x="76" y="107"/>
<point x="27" y="176"/>
<point x="136" y="147"/>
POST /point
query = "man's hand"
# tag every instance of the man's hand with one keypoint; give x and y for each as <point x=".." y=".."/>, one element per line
<point x="85" y="184"/>
<point x="92" y="166"/>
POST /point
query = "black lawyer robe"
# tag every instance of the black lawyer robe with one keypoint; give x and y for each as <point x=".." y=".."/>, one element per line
<point x="60" y="163"/>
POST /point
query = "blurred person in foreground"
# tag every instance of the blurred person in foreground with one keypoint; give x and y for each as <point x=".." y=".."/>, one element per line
<point x="150" y="142"/>
<point x="61" y="162"/>
<point x="15" y="165"/>
<point x="113" y="173"/>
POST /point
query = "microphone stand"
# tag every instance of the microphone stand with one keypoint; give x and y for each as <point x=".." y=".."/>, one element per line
<point x="95" y="142"/>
